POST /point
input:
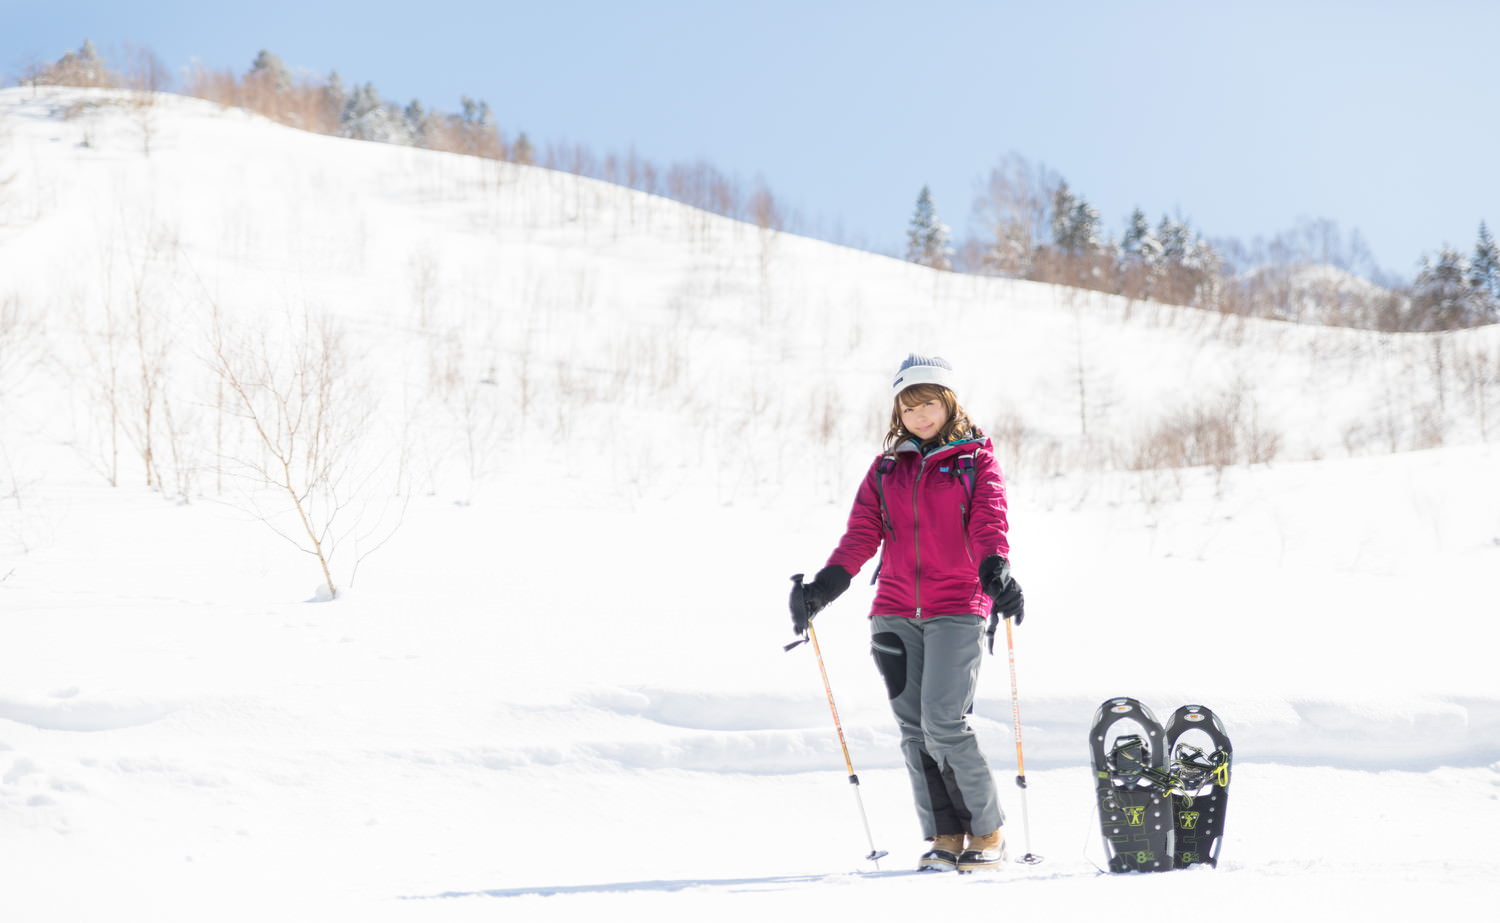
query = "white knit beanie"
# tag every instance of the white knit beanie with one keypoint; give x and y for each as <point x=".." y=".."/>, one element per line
<point x="923" y="370"/>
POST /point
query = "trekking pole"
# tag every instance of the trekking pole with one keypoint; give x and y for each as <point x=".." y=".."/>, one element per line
<point x="875" y="854"/>
<point x="1030" y="858"/>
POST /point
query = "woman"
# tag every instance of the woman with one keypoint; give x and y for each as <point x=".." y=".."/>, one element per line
<point x="933" y="505"/>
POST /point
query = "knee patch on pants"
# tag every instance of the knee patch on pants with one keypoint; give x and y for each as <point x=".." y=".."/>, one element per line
<point x="890" y="658"/>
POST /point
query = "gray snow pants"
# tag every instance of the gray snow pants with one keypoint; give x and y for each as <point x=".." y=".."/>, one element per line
<point x="931" y="668"/>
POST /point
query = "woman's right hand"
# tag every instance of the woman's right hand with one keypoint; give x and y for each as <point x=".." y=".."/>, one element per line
<point x="808" y="599"/>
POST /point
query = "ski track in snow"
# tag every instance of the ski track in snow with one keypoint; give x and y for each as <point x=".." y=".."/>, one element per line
<point x="768" y="733"/>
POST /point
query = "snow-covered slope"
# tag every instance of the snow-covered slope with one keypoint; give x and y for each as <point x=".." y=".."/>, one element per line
<point x="598" y="431"/>
<point x="1317" y="293"/>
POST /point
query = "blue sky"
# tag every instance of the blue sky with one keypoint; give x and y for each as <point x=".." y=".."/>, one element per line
<point x="1380" y="116"/>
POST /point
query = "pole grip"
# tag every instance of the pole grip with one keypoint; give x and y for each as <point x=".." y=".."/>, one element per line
<point x="797" y="594"/>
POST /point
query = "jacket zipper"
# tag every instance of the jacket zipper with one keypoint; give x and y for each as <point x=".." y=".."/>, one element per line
<point x="916" y="534"/>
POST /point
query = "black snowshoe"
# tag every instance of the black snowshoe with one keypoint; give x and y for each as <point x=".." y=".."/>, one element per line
<point x="1162" y="792"/>
<point x="1201" y="758"/>
<point x="1132" y="788"/>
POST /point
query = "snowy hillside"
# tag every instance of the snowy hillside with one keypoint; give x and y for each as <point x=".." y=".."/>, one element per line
<point x="572" y="440"/>
<point x="1319" y="293"/>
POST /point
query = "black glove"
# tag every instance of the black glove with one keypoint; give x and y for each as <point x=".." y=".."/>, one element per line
<point x="808" y="599"/>
<point x="1004" y="591"/>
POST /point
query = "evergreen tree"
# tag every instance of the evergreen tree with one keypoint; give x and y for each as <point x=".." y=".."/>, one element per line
<point x="1075" y="223"/>
<point x="367" y="118"/>
<point x="1011" y="252"/>
<point x="1187" y="266"/>
<point x="1484" y="276"/>
<point x="1083" y="228"/>
<point x="1064" y="203"/>
<point x="1139" y="245"/>
<point x="475" y="131"/>
<point x="1176" y="239"/>
<point x="476" y="113"/>
<point x="417" y="124"/>
<point x="81" y="68"/>
<point x="523" y="151"/>
<point x="1204" y="267"/>
<point x="1136" y="232"/>
<point x="1138" y="259"/>
<point x="1441" y="296"/>
<point x="331" y="103"/>
<point x="269" y="70"/>
<point x="927" y="236"/>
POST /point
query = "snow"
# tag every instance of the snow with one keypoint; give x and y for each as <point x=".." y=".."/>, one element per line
<point x="557" y="690"/>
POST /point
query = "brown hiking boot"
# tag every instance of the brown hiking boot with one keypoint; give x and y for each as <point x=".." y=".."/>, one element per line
<point x="983" y="852"/>
<point x="943" y="855"/>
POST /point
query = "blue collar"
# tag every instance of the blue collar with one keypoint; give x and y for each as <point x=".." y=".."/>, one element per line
<point x="915" y="445"/>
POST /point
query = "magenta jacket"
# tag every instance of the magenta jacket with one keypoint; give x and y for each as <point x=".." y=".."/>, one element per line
<point x="930" y="532"/>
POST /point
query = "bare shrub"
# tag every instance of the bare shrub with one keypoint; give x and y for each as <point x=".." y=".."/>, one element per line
<point x="1478" y="371"/>
<point x="1429" y="427"/>
<point x="130" y="349"/>
<point x="13" y="493"/>
<point x="1048" y="457"/>
<point x="424" y="286"/>
<point x="84" y="113"/>
<point x="1008" y="434"/>
<point x="270" y="90"/>
<point x="152" y="342"/>
<point x="1222" y="432"/>
<point x="20" y="344"/>
<point x="103" y="375"/>
<point x="470" y="395"/>
<point x="1156" y="486"/>
<point x="20" y="351"/>
<point x="81" y="68"/>
<point x="7" y="179"/>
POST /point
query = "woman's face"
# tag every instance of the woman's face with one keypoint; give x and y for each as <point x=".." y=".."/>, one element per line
<point x="925" y="419"/>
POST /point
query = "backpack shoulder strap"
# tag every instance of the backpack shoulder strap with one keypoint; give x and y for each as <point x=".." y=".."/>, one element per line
<point x="886" y="465"/>
<point x="963" y="467"/>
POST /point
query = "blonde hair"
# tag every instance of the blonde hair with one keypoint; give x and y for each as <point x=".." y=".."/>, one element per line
<point x="958" y="426"/>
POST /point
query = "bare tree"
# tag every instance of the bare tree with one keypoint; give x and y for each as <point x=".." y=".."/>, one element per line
<point x="147" y="76"/>
<point x="424" y="286"/>
<point x="1091" y="387"/>
<point x="105" y="342"/>
<point x="20" y="348"/>
<point x="151" y="346"/>
<point x="768" y="219"/>
<point x="1015" y="206"/>
<point x="304" y="416"/>
<point x="468" y="388"/>
<point x="1478" y="370"/>
<point x="19" y="344"/>
<point x="6" y="179"/>
<point x="151" y="261"/>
